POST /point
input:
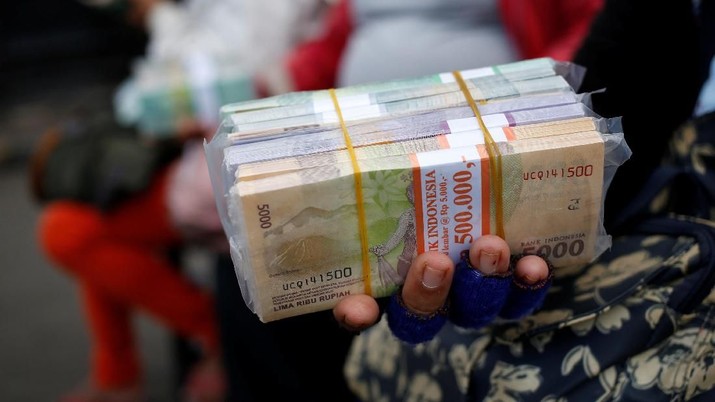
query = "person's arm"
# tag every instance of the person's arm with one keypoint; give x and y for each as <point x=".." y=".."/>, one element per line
<point x="630" y="42"/>
<point x="553" y="28"/>
<point x="575" y="18"/>
<point x="313" y="64"/>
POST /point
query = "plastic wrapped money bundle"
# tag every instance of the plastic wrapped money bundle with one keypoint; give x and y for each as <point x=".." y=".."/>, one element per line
<point x="164" y="92"/>
<point x="329" y="193"/>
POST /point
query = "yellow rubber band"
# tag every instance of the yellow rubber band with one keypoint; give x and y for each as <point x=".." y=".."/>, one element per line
<point x="357" y="175"/>
<point x="494" y="157"/>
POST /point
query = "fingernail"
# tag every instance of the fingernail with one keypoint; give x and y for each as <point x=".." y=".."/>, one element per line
<point x="526" y="278"/>
<point x="351" y="327"/>
<point x="488" y="262"/>
<point x="432" y="278"/>
<point x="531" y="279"/>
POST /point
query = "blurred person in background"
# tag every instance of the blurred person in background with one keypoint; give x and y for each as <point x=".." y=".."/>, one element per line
<point x="369" y="40"/>
<point x="118" y="255"/>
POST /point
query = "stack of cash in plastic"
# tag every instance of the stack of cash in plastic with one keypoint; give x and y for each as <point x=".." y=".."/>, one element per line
<point x="164" y="93"/>
<point x="329" y="193"/>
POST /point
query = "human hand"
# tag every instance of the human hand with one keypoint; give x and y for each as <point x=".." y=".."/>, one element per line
<point x="191" y="129"/>
<point x="487" y="283"/>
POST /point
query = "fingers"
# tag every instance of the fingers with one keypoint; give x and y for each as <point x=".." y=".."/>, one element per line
<point x="530" y="270"/>
<point x="424" y="294"/>
<point x="532" y="279"/>
<point x="490" y="255"/>
<point x="356" y="312"/>
<point x="492" y="284"/>
<point x="486" y="283"/>
<point x="419" y="311"/>
<point x="427" y="284"/>
<point x="482" y="283"/>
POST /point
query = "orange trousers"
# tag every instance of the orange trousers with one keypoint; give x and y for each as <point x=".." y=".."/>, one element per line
<point x="119" y="261"/>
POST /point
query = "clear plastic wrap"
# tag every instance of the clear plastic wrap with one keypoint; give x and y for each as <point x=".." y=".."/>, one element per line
<point x="311" y="219"/>
<point x="163" y="93"/>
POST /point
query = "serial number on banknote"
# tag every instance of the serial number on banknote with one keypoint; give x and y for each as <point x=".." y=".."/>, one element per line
<point x="334" y="275"/>
<point x="568" y="172"/>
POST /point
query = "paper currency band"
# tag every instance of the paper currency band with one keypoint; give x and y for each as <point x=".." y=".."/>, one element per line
<point x="357" y="175"/>
<point x="495" y="165"/>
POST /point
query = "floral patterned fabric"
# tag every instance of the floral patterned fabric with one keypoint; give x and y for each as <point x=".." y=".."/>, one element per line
<point x="638" y="324"/>
<point x="685" y="181"/>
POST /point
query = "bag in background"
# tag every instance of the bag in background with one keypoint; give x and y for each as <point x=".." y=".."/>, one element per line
<point x="94" y="163"/>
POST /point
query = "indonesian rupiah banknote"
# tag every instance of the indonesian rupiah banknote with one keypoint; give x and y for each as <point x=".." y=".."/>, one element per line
<point x="316" y="208"/>
<point x="302" y="228"/>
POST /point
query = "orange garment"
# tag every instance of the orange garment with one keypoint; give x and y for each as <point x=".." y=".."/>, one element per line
<point x="120" y="264"/>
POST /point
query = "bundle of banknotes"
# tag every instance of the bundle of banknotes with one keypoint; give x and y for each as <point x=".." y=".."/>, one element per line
<point x="325" y="194"/>
<point x="162" y="94"/>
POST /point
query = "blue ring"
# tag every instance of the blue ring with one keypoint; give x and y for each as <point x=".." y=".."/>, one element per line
<point x="477" y="298"/>
<point x="524" y="298"/>
<point x="411" y="327"/>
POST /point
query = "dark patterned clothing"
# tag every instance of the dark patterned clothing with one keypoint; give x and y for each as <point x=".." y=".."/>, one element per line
<point x="638" y="324"/>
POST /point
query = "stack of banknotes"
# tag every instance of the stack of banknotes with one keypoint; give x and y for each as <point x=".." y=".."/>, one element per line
<point x="330" y="193"/>
<point x="162" y="94"/>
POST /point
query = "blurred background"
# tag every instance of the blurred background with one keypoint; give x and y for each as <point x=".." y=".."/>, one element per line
<point x="56" y="56"/>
